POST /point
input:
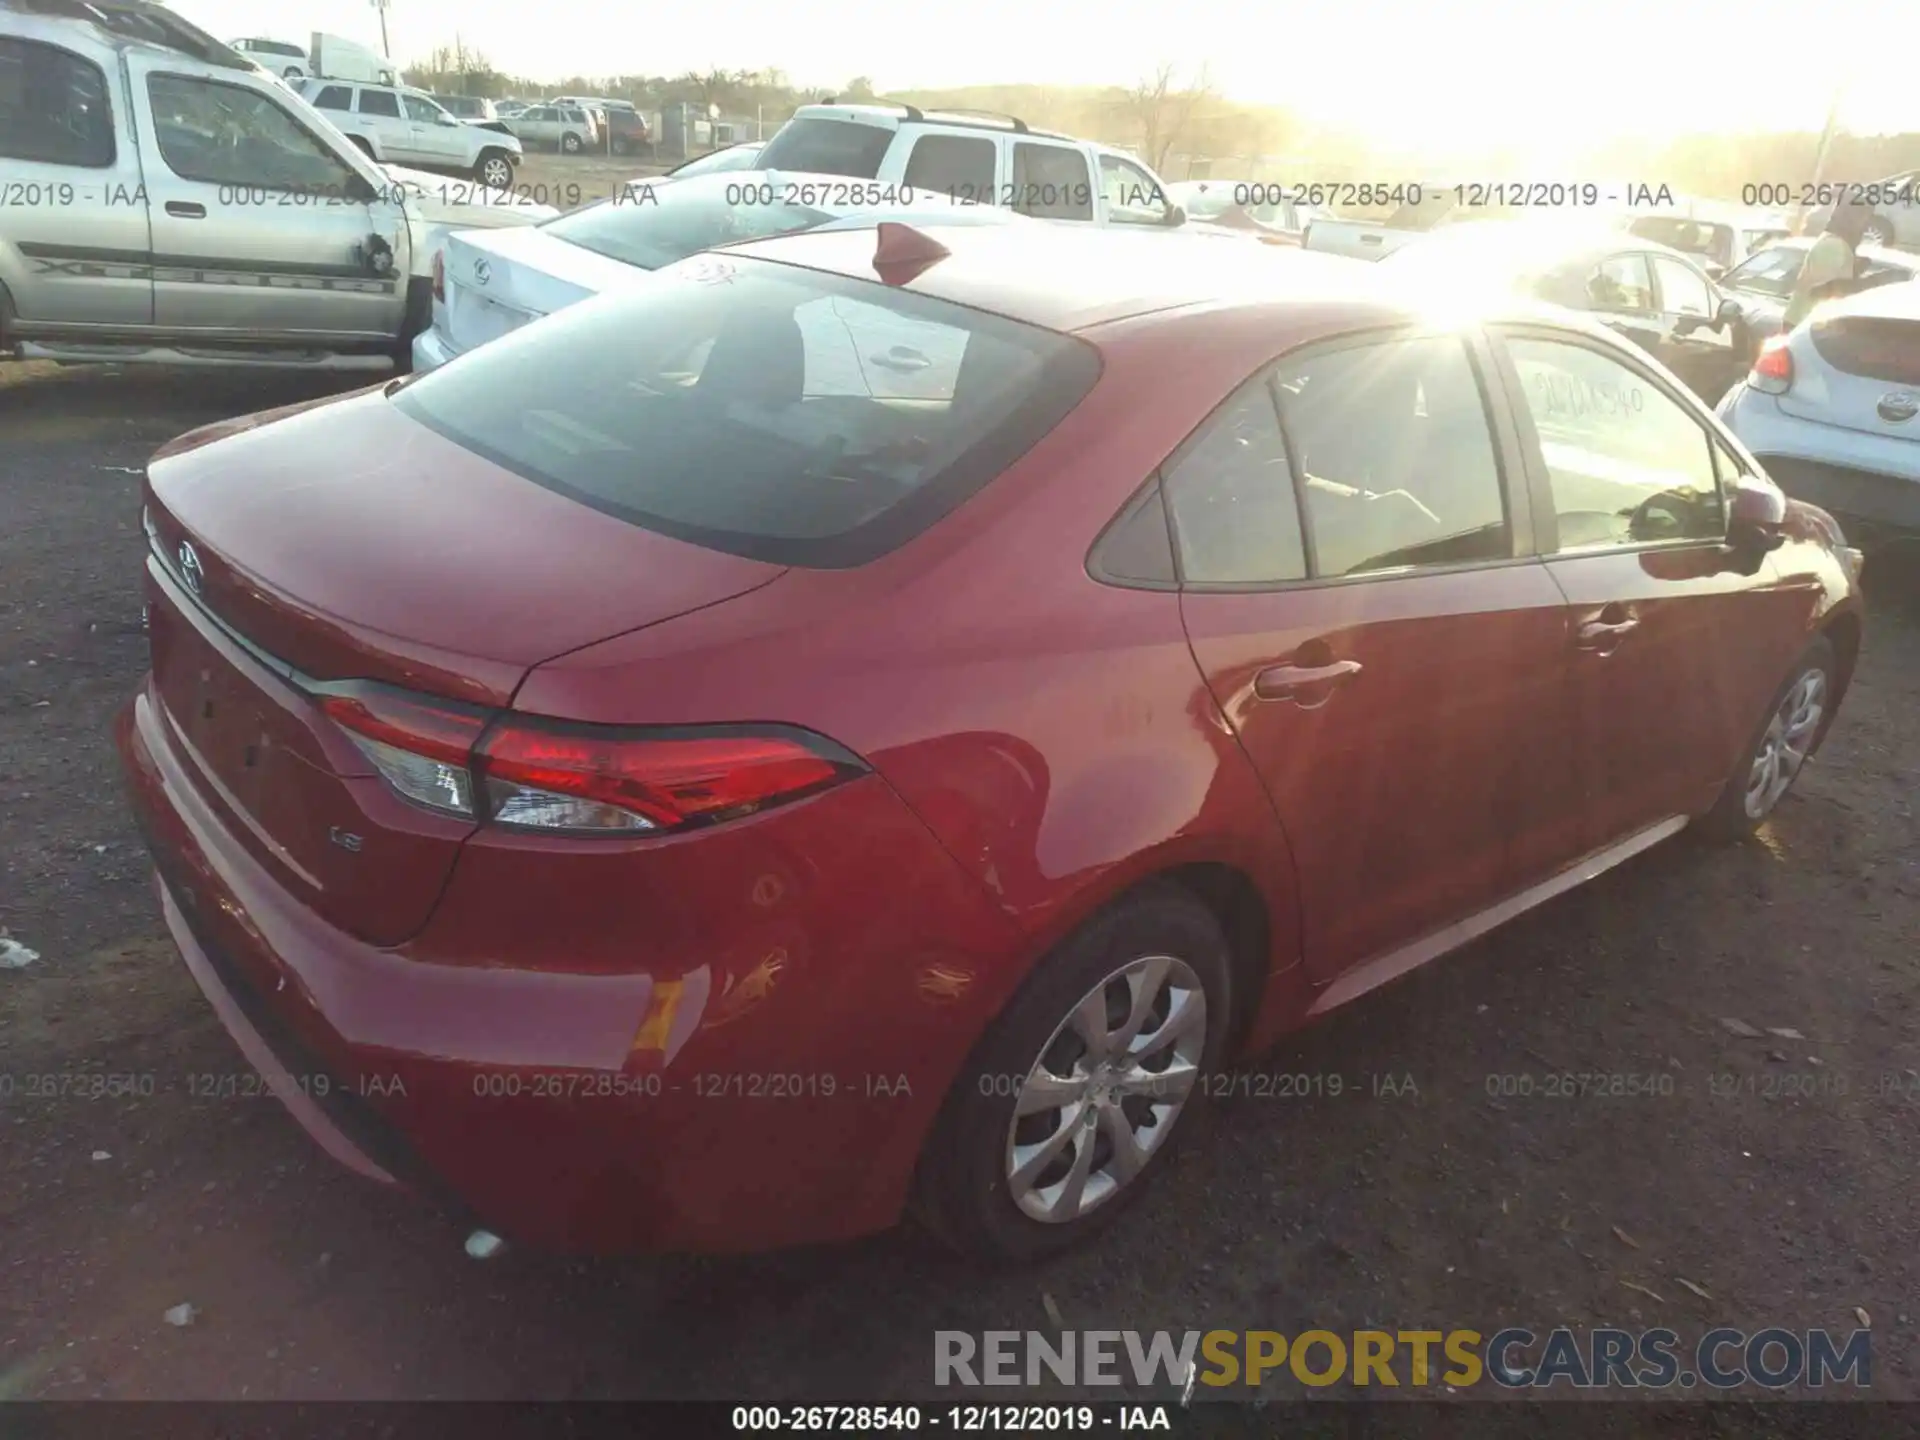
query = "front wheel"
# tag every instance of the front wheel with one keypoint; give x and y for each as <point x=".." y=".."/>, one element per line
<point x="1785" y="739"/>
<point x="494" y="171"/>
<point x="570" y="144"/>
<point x="1077" y="1093"/>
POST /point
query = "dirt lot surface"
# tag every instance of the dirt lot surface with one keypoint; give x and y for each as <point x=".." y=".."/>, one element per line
<point x="1437" y="1205"/>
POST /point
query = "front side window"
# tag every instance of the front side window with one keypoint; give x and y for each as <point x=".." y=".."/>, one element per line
<point x="1051" y="182"/>
<point x="761" y="409"/>
<point x="53" y="107"/>
<point x="1235" y="515"/>
<point x="1133" y="196"/>
<point x="1397" y="464"/>
<point x="380" y="102"/>
<point x="1627" y="464"/>
<point x="229" y="135"/>
<point x="422" y="110"/>
<point x="1683" y="290"/>
<point x="1622" y="284"/>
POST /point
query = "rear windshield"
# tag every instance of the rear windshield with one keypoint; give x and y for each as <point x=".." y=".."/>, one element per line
<point x="765" y="410"/>
<point x="655" y="225"/>
<point x="1871" y="346"/>
<point x="828" y="147"/>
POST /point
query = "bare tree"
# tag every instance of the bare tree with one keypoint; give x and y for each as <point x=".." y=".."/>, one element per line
<point x="1164" y="111"/>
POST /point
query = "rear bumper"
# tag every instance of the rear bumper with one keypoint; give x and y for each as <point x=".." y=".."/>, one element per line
<point x="431" y="349"/>
<point x="1855" y="475"/>
<point x="714" y="1108"/>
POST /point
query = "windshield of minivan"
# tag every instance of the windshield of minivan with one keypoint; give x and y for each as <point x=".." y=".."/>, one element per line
<point x="828" y="147"/>
<point x="762" y="409"/>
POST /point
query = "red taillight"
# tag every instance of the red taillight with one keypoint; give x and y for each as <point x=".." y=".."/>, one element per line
<point x="420" y="747"/>
<point x="1772" y="371"/>
<point x="570" y="778"/>
<point x="440" y="276"/>
<point x="535" y="774"/>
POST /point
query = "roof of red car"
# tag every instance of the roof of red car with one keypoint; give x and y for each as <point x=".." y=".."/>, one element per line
<point x="1067" y="277"/>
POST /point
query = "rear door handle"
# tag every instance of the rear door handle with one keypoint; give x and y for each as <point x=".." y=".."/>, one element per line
<point x="1308" y="686"/>
<point x="186" y="210"/>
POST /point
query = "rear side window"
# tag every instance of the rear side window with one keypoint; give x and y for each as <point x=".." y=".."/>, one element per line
<point x="53" y="107"/>
<point x="379" y="102"/>
<point x="334" y="97"/>
<point x="959" y="167"/>
<point x="1622" y="283"/>
<point x="760" y="409"/>
<point x="1231" y="495"/>
<point x="828" y="147"/>
<point x="1397" y="464"/>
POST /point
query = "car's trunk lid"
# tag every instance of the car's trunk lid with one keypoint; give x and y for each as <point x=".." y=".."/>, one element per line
<point x="499" y="280"/>
<point x="349" y="543"/>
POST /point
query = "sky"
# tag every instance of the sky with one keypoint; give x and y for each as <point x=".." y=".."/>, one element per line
<point x="1478" y="73"/>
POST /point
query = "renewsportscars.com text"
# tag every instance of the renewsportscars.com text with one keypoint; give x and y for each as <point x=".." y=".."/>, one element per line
<point x="1513" y="1358"/>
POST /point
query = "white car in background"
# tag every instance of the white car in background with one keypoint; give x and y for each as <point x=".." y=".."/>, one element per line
<point x="1832" y="410"/>
<point x="276" y="57"/>
<point x="399" y="125"/>
<point x="490" y="283"/>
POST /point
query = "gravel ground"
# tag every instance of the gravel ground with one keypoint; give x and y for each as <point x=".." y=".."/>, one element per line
<point x="1436" y="1204"/>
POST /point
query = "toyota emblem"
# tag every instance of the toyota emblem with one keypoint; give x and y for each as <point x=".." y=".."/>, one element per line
<point x="482" y="271"/>
<point x="1898" y="406"/>
<point x="190" y="570"/>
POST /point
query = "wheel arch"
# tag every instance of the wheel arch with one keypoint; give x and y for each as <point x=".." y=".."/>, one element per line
<point x="1845" y="630"/>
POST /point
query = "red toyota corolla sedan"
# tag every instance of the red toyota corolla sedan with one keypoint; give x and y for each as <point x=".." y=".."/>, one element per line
<point x="873" y="720"/>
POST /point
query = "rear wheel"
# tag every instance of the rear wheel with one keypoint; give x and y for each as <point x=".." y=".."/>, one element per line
<point x="570" y="144"/>
<point x="1780" y="748"/>
<point x="494" y="170"/>
<point x="1076" y="1094"/>
<point x="1878" y="232"/>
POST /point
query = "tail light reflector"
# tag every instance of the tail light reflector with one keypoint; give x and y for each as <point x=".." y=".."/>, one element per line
<point x="530" y="773"/>
<point x="420" y="747"/>
<point x="1772" y="372"/>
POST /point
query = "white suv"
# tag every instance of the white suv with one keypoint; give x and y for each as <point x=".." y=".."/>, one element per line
<point x="989" y="160"/>
<point x="407" y="127"/>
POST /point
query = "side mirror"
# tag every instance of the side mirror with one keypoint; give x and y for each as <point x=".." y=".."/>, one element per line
<point x="1756" y="516"/>
<point x="1175" y="216"/>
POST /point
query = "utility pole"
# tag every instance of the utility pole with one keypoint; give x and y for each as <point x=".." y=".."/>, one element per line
<point x="1826" y="146"/>
<point x="381" y="6"/>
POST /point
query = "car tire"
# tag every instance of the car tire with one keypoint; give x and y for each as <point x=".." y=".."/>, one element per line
<point x="1795" y="719"/>
<point x="1161" y="946"/>
<point x="1878" y="232"/>
<point x="494" y="170"/>
<point x="570" y="144"/>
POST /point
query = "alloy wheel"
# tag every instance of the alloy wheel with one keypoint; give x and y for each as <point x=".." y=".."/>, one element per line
<point x="1788" y="739"/>
<point x="1106" y="1089"/>
<point x="496" y="173"/>
<point x="1875" y="234"/>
